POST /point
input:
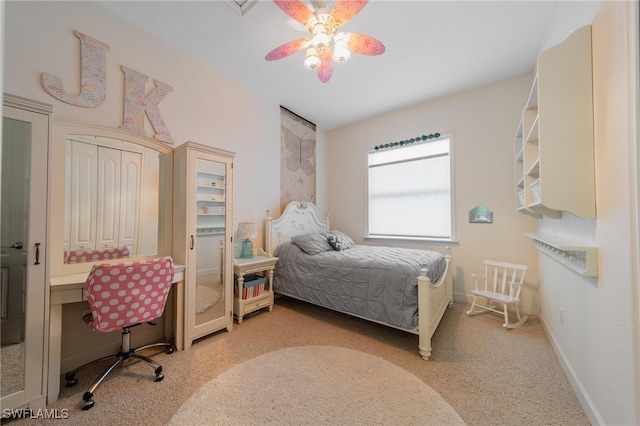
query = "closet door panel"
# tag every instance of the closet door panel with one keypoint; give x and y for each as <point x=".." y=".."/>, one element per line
<point x="108" y="206"/>
<point x="67" y="200"/>
<point x="130" y="191"/>
<point x="84" y="199"/>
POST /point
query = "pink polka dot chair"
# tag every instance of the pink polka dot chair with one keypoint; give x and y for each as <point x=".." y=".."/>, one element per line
<point x="96" y="255"/>
<point x="122" y="296"/>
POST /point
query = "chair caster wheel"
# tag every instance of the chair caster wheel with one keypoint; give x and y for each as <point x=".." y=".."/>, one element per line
<point x="88" y="400"/>
<point x="170" y="350"/>
<point x="159" y="377"/>
<point x="71" y="380"/>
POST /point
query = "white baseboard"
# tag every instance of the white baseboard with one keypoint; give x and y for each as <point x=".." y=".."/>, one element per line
<point x="583" y="397"/>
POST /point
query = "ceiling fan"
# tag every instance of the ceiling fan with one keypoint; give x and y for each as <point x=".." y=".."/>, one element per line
<point x="325" y="46"/>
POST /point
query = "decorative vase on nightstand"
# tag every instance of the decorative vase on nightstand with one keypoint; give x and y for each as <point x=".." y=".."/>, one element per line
<point x="247" y="230"/>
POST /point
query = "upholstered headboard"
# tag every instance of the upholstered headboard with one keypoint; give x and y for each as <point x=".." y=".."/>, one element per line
<point x="298" y="218"/>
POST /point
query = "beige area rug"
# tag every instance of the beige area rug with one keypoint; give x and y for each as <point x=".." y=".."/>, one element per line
<point x="316" y="385"/>
<point x="206" y="298"/>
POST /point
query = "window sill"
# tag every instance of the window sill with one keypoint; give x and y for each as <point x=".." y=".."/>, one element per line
<point x="430" y="241"/>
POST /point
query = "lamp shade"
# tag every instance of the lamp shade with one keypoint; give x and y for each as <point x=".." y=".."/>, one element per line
<point x="247" y="230"/>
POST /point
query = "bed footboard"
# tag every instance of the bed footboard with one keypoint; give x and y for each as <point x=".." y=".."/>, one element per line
<point x="433" y="299"/>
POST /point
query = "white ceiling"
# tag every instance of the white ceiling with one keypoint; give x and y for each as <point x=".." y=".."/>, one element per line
<point x="433" y="49"/>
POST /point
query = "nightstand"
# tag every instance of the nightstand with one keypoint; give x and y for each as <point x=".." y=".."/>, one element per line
<point x="253" y="286"/>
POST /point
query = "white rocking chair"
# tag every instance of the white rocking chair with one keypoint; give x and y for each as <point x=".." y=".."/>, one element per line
<point x="502" y="284"/>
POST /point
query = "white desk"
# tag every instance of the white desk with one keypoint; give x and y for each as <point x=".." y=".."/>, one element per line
<point x="69" y="289"/>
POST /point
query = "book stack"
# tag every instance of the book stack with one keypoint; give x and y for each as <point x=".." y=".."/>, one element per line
<point x="253" y="286"/>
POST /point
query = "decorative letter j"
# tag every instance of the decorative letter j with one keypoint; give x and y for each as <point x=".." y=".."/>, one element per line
<point x="93" y="78"/>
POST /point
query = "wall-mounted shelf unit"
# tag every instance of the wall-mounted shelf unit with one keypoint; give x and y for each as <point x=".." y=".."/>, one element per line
<point x="577" y="256"/>
<point x="553" y="146"/>
<point x="521" y="196"/>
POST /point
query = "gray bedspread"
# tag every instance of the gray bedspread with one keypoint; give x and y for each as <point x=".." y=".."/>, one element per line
<point x="375" y="282"/>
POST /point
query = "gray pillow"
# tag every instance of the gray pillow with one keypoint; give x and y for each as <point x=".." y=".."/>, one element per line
<point x="339" y="240"/>
<point x="312" y="243"/>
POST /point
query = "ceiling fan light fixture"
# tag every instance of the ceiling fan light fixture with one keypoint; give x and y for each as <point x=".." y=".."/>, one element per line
<point x="312" y="59"/>
<point x="324" y="46"/>
<point x="324" y="16"/>
<point x="340" y="51"/>
<point x="321" y="36"/>
<point x="341" y="55"/>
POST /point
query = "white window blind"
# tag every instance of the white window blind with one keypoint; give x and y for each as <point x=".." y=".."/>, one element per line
<point x="410" y="191"/>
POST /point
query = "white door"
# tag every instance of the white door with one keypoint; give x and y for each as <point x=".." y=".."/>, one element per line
<point x="84" y="198"/>
<point x="130" y="198"/>
<point x="23" y="235"/>
<point x="108" y="180"/>
<point x="209" y="226"/>
<point x="105" y="185"/>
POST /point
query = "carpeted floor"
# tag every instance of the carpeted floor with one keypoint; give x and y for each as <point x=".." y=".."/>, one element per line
<point x="316" y="385"/>
<point x="11" y="368"/>
<point x="489" y="375"/>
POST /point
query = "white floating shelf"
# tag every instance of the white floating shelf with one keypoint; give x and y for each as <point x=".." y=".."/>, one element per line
<point x="576" y="256"/>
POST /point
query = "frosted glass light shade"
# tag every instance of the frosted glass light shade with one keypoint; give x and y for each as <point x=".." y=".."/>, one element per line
<point x="311" y="59"/>
<point x="247" y="230"/>
<point x="340" y="51"/>
<point x="321" y="37"/>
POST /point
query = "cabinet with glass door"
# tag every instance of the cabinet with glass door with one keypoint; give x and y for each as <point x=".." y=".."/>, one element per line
<point x="203" y="219"/>
<point x="24" y="260"/>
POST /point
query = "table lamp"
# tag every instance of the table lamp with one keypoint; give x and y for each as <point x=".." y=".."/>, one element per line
<point x="247" y="230"/>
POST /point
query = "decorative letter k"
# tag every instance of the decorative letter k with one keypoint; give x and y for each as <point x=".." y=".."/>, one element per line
<point x="136" y="104"/>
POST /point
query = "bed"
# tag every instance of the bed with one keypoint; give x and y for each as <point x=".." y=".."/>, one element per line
<point x="408" y="289"/>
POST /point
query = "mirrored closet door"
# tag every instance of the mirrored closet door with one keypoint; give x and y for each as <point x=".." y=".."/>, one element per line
<point x="202" y="236"/>
<point x="23" y="259"/>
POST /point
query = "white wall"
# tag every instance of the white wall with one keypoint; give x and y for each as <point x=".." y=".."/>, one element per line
<point x="596" y="342"/>
<point x="484" y="123"/>
<point x="205" y="106"/>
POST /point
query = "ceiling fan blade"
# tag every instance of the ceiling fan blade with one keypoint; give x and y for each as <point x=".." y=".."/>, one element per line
<point x="345" y="10"/>
<point x="325" y="67"/>
<point x="364" y="44"/>
<point x="296" y="9"/>
<point x="286" y="49"/>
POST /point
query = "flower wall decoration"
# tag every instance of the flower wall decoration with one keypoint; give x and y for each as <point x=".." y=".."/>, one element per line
<point x="407" y="141"/>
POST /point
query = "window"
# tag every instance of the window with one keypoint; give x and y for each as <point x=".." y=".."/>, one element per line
<point x="410" y="191"/>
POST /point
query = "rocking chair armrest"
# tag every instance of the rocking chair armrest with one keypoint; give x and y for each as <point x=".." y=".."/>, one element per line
<point x="512" y="287"/>
<point x="475" y="278"/>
